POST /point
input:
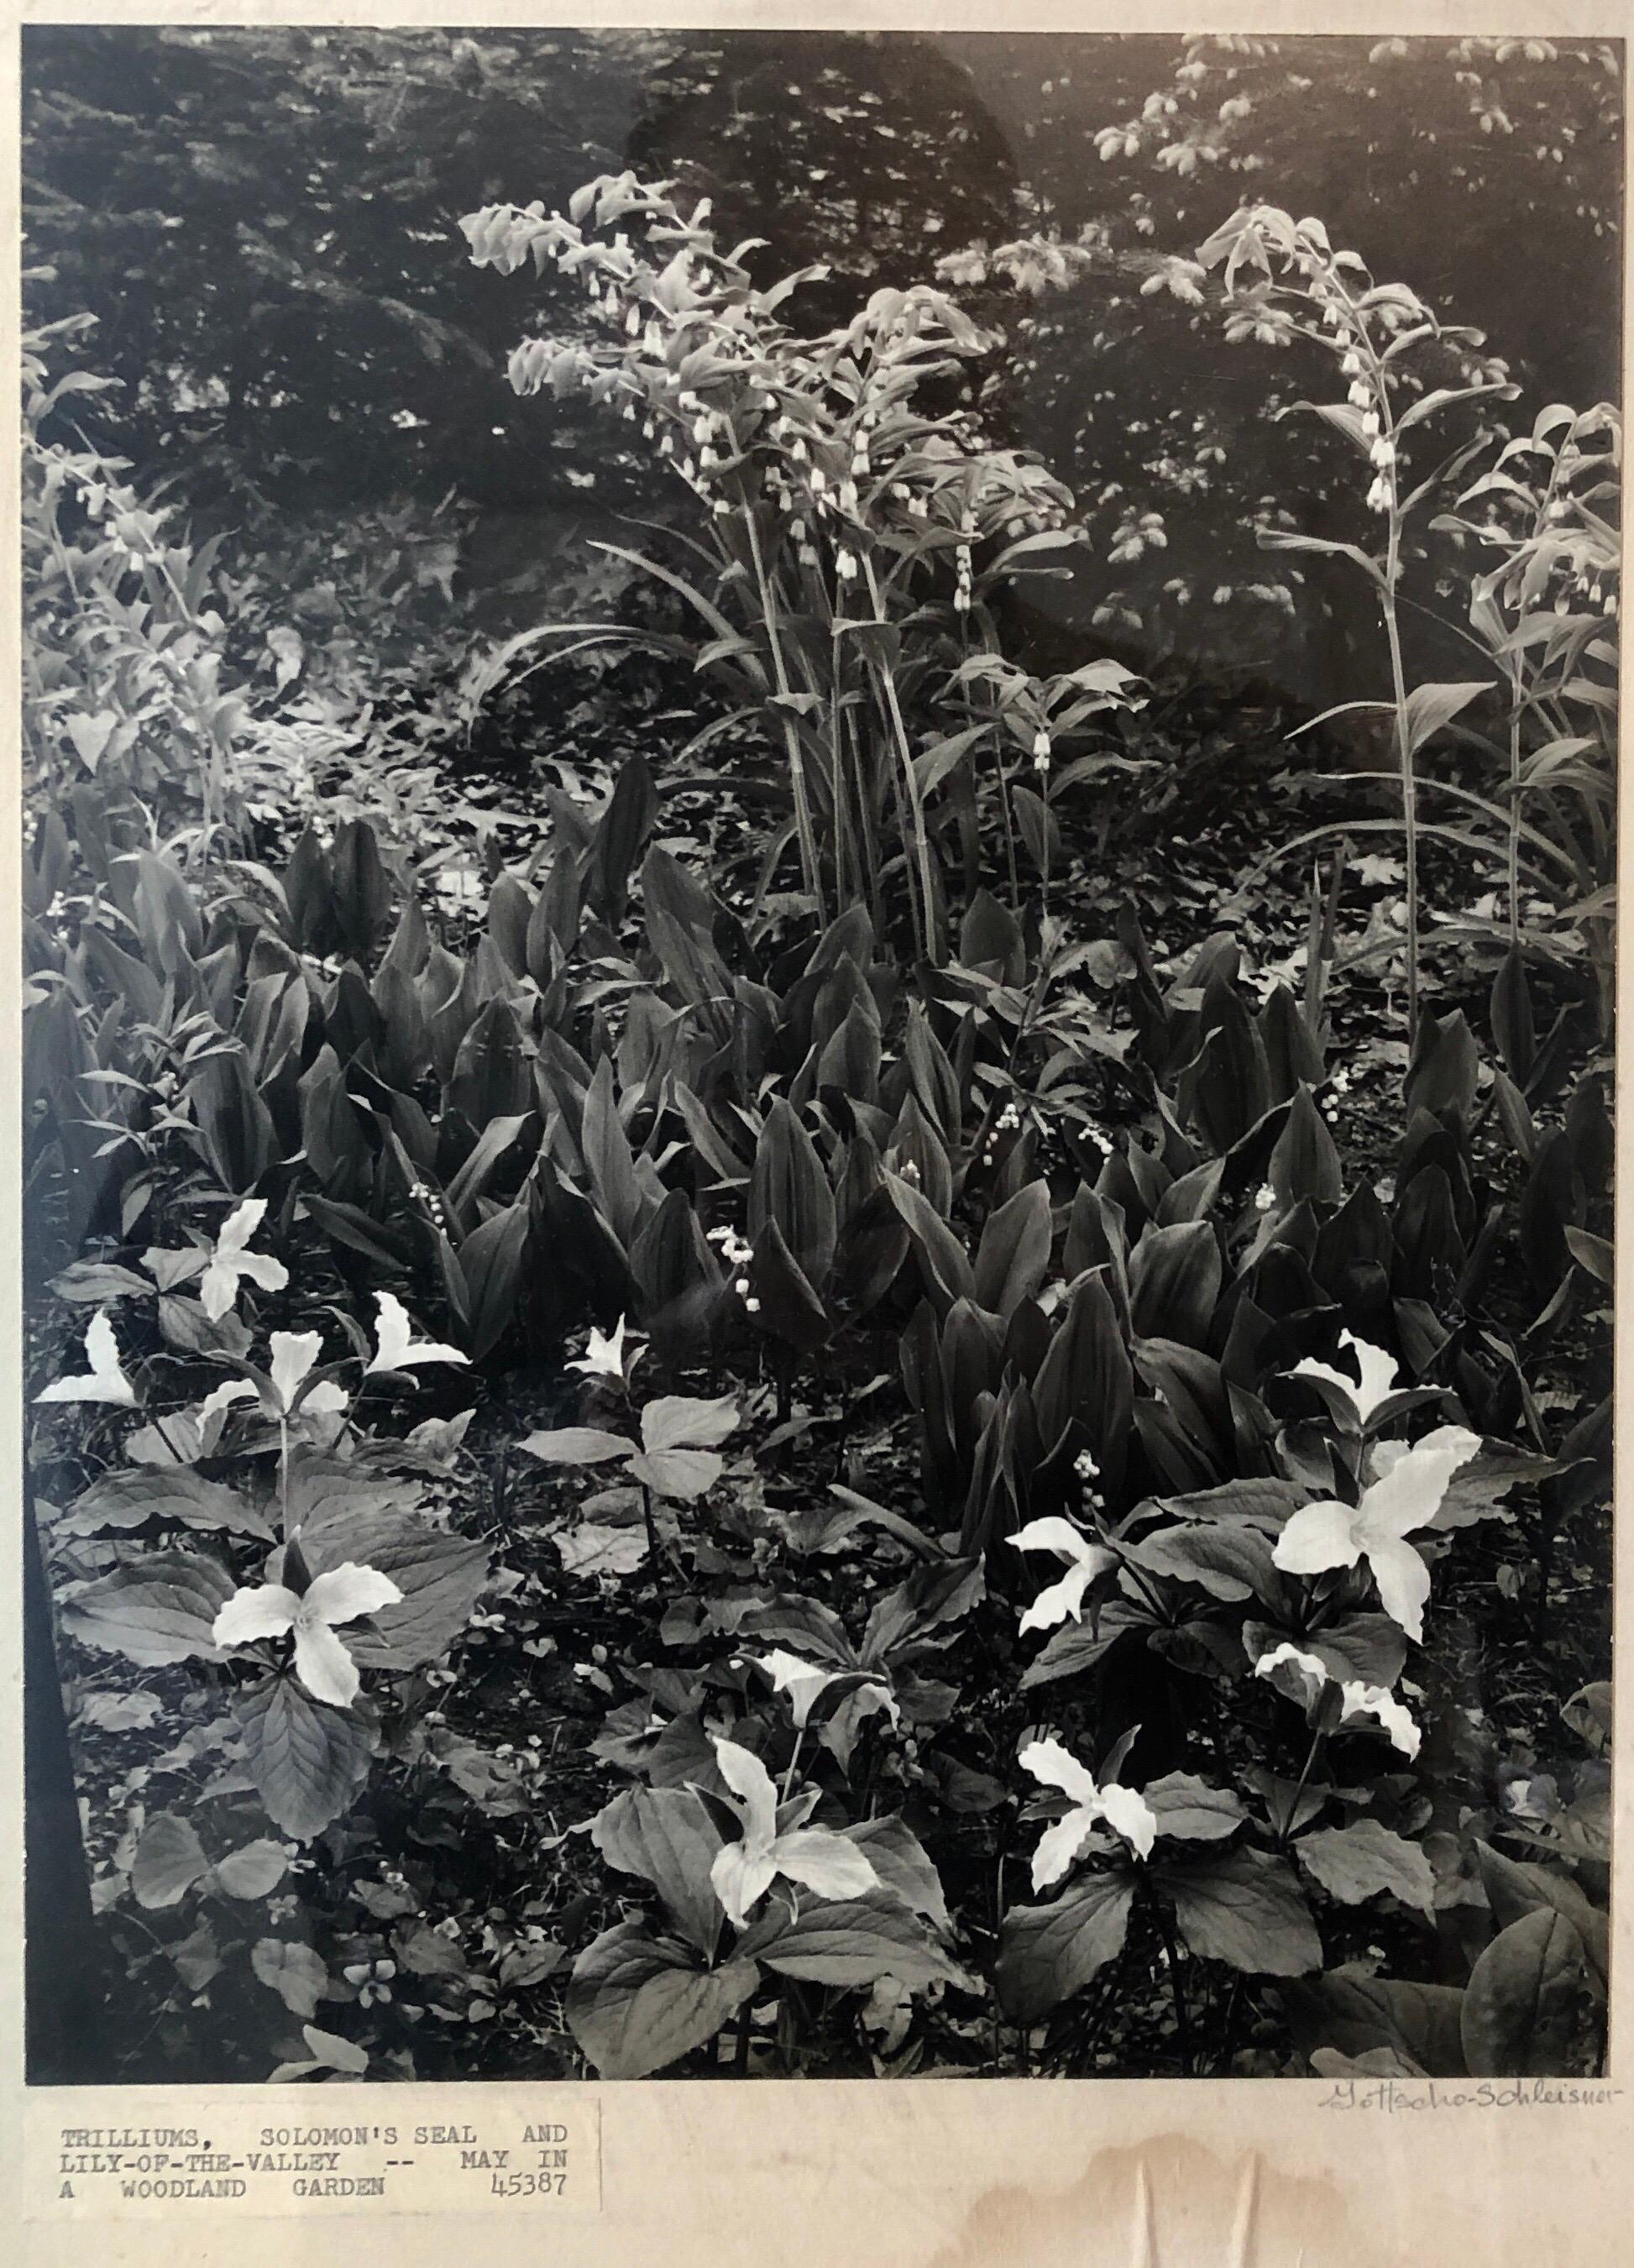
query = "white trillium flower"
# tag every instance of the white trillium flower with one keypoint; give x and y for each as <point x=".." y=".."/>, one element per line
<point x="805" y="1682"/>
<point x="395" y="1345"/>
<point x="1393" y="1715"/>
<point x="1357" y="1699"/>
<point x="322" y="1661"/>
<point x="605" y="1357"/>
<point x="1406" y="1495"/>
<point x="1124" y="1809"/>
<point x="1380" y="1378"/>
<point x="1084" y="1561"/>
<point x="229" y="1262"/>
<point x="105" y="1380"/>
<point x="294" y="1354"/>
<point x="743" y="1872"/>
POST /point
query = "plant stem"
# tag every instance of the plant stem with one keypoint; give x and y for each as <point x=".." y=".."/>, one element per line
<point x="1183" y="2021"/>
<point x="652" y="1532"/>
<point x="1404" y="753"/>
<point x="741" y="2047"/>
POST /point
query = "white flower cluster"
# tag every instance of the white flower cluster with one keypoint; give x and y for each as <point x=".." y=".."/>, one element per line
<point x="1008" y="1121"/>
<point x="433" y="1204"/>
<point x="1041" y="753"/>
<point x="736" y="1253"/>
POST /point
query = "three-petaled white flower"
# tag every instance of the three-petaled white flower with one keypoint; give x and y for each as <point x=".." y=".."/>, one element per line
<point x="1378" y="1382"/>
<point x="1357" y="1699"/>
<point x="229" y="1262"/>
<point x="1406" y="1495"/>
<point x="1124" y="1809"/>
<point x="605" y="1357"/>
<point x="805" y="1682"/>
<point x="105" y="1380"/>
<point x="322" y="1661"/>
<point x="395" y="1345"/>
<point x="743" y="1872"/>
<point x="1084" y="1561"/>
<point x="294" y="1354"/>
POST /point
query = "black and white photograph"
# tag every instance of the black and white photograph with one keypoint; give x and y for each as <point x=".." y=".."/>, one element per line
<point x="819" y="907"/>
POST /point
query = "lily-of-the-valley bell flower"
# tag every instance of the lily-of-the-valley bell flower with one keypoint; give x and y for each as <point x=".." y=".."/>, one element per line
<point x="1407" y="1494"/>
<point x="815" y="1857"/>
<point x="309" y="1617"/>
<point x="1083" y="1560"/>
<point x="1356" y="1697"/>
<point x="1124" y="1809"/>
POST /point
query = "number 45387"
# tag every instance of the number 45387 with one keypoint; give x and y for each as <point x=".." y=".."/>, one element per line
<point x="525" y="2185"/>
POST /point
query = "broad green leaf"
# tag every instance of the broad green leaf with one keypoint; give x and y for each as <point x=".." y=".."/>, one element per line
<point x="1188" y="1808"/>
<point x="176" y="1493"/>
<point x="169" y="1859"/>
<point x="1430" y="707"/>
<point x="668" y="1837"/>
<point x="160" y="1609"/>
<point x="1048" y="1953"/>
<point x="847" y="1943"/>
<point x="255" y="1871"/>
<point x="680" y="1421"/>
<point x="577" y="1445"/>
<point x="1365" y="1859"/>
<point x="1532" y="2009"/>
<point x="293" y="1971"/>
<point x="1246" y="1909"/>
<point x="637" y="2004"/>
<point x="309" y="1761"/>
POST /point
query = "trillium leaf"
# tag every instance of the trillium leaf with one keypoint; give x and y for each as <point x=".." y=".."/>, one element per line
<point x="668" y="1837"/>
<point x="592" y="1548"/>
<point x="903" y="1868"/>
<point x="1048" y="1953"/>
<point x="1365" y="1859"/>
<point x="848" y="1944"/>
<point x="1188" y="1807"/>
<point x="1247" y="1910"/>
<point x="681" y="1475"/>
<point x="175" y="1493"/>
<point x="161" y="1610"/>
<point x="680" y="1421"/>
<point x="576" y="1445"/>
<point x="637" y="2004"/>
<point x="307" y="1761"/>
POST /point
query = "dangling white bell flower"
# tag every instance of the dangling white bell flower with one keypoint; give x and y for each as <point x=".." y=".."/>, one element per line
<point x="1124" y="1809"/>
<point x="1407" y="1495"/>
